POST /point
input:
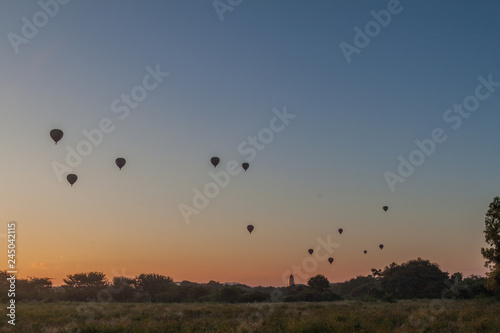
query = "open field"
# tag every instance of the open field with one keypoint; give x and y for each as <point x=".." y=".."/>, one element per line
<point x="347" y="316"/>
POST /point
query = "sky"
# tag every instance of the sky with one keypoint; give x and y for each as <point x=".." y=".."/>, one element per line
<point x="339" y="107"/>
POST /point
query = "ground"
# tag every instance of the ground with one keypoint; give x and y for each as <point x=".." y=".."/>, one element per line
<point x="347" y="316"/>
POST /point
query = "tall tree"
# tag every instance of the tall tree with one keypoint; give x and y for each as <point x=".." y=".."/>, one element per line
<point x="492" y="236"/>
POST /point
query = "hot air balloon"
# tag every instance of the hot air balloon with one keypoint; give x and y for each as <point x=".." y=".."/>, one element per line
<point x="72" y="178"/>
<point x="120" y="162"/>
<point x="341" y="231"/>
<point x="245" y="166"/>
<point x="385" y="208"/>
<point x="310" y="251"/>
<point x="330" y="260"/>
<point x="56" y="135"/>
<point x="381" y="246"/>
<point x="365" y="251"/>
<point x="215" y="161"/>
<point x="250" y="228"/>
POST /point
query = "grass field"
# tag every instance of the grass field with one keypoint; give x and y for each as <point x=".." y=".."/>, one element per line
<point x="347" y="316"/>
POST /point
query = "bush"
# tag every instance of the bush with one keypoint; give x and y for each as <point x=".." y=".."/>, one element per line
<point x="389" y="298"/>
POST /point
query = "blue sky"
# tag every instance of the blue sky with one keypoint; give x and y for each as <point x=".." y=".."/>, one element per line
<point x="325" y="170"/>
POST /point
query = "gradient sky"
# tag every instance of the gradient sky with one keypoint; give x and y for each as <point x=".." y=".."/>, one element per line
<point x="324" y="171"/>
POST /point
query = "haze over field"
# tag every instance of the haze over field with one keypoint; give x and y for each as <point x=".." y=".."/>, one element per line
<point x="336" y="118"/>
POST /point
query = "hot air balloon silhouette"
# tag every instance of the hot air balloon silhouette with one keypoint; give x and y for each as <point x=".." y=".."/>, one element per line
<point x="330" y="260"/>
<point x="56" y="135"/>
<point x="310" y="251"/>
<point x="365" y="251"/>
<point x="385" y="208"/>
<point x="381" y="246"/>
<point x="72" y="178"/>
<point x="245" y="166"/>
<point x="250" y="228"/>
<point x="215" y="160"/>
<point x="341" y="231"/>
<point x="120" y="162"/>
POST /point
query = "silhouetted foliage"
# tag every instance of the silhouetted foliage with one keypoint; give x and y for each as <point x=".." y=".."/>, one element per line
<point x="358" y="287"/>
<point x="493" y="282"/>
<point x="83" y="280"/>
<point x="123" y="289"/>
<point x="254" y="296"/>
<point x="414" y="279"/>
<point x="318" y="283"/>
<point x="230" y="294"/>
<point x="155" y="288"/>
<point x="84" y="286"/>
<point x="468" y="288"/>
<point x="492" y="237"/>
<point x="192" y="292"/>
<point x="492" y="234"/>
<point x="389" y="298"/>
<point x="318" y="290"/>
<point x="311" y="295"/>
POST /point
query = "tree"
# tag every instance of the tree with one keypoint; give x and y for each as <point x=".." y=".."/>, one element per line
<point x="318" y="291"/>
<point x="318" y="283"/>
<point x="82" y="280"/>
<point x="230" y="294"/>
<point x="84" y="286"/>
<point x="361" y="286"/>
<point x="493" y="281"/>
<point x="420" y="279"/>
<point x="155" y="287"/>
<point x="492" y="234"/>
<point x="123" y="288"/>
<point x="492" y="237"/>
<point x="476" y="285"/>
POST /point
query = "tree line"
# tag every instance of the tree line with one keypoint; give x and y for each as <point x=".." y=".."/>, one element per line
<point x="409" y="280"/>
<point x="412" y="279"/>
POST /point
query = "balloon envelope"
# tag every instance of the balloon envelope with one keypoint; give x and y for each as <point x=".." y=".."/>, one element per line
<point x="330" y="260"/>
<point x="215" y="160"/>
<point x="381" y="246"/>
<point x="56" y="135"/>
<point x="120" y="162"/>
<point x="365" y="251"/>
<point x="245" y="166"/>
<point x="341" y="231"/>
<point x="385" y="208"/>
<point x="72" y="178"/>
<point x="310" y="251"/>
<point x="250" y="228"/>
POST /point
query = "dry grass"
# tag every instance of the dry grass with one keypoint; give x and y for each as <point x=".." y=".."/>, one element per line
<point x="404" y="316"/>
